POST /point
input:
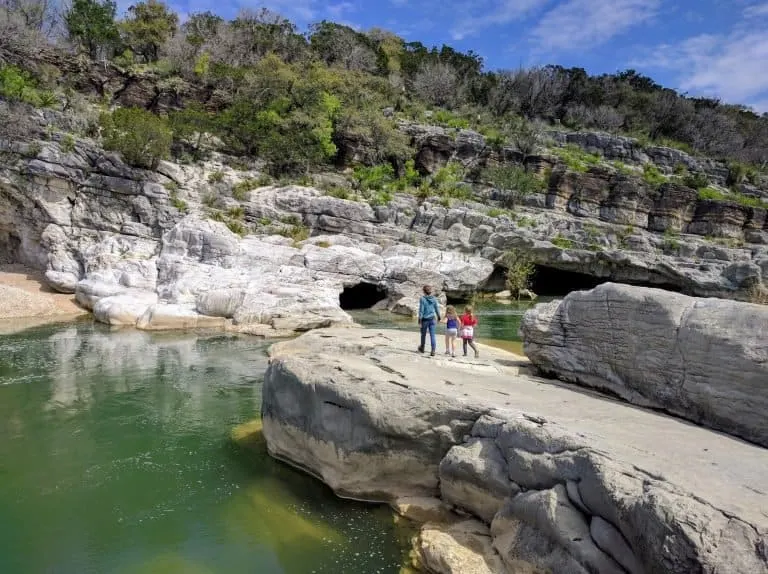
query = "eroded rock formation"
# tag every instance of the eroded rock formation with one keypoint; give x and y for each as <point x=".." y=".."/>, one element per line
<point x="705" y="360"/>
<point x="565" y="481"/>
<point x="143" y="240"/>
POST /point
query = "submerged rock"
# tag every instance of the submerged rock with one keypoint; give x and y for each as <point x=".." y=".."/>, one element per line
<point x="567" y="481"/>
<point x="705" y="360"/>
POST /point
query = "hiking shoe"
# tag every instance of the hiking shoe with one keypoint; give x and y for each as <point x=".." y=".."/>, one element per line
<point x="421" y="349"/>
<point x="432" y="354"/>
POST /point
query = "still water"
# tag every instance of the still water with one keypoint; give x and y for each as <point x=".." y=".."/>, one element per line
<point x="117" y="456"/>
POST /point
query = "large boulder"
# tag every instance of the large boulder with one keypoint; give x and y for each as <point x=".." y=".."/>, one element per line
<point x="705" y="360"/>
<point x="568" y="482"/>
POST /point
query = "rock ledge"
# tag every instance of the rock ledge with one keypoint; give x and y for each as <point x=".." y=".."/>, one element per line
<point x="562" y="479"/>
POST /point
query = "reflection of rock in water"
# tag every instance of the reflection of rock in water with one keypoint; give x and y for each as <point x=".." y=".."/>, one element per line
<point x="112" y="358"/>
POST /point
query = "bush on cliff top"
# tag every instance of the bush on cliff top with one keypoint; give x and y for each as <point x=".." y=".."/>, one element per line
<point x="224" y="63"/>
<point x="142" y="138"/>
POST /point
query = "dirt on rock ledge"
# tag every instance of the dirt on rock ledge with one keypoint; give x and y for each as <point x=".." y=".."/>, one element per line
<point x="27" y="301"/>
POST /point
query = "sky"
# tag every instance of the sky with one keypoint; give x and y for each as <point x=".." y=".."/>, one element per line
<point x="714" y="48"/>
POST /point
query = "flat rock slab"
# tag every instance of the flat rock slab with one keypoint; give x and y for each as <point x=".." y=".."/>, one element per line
<point x="638" y="490"/>
<point x="705" y="360"/>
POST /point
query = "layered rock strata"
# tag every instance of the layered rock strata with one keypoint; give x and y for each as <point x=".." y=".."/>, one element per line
<point x="144" y="240"/>
<point x="564" y="481"/>
<point x="705" y="360"/>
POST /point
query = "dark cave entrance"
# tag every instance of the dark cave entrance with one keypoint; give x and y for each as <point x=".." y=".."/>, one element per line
<point x="551" y="282"/>
<point x="361" y="296"/>
<point x="10" y="245"/>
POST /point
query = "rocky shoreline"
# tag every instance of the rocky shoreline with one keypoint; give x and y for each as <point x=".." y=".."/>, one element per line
<point x="551" y="478"/>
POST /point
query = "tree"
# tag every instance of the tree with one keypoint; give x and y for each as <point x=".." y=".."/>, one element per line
<point x="436" y="83"/>
<point x="141" y="137"/>
<point x="91" y="24"/>
<point x="150" y="24"/>
<point x="520" y="268"/>
<point x="342" y="46"/>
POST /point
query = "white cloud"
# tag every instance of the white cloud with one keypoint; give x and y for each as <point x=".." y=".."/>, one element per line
<point x="295" y="9"/>
<point x="584" y="24"/>
<point x="756" y="10"/>
<point x="490" y="13"/>
<point x="728" y="66"/>
<point x="337" y="10"/>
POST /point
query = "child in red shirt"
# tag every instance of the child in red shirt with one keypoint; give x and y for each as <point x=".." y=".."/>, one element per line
<point x="468" y="324"/>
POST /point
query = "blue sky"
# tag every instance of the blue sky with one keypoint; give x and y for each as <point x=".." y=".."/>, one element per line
<point x="704" y="47"/>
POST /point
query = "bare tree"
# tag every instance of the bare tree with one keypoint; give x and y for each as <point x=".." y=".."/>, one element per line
<point x="605" y="118"/>
<point x="538" y="91"/>
<point x="715" y="133"/>
<point x="436" y="83"/>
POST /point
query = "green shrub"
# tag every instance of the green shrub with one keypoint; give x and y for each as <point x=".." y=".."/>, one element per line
<point x="710" y="193"/>
<point x="380" y="198"/>
<point x="294" y="220"/>
<point x="374" y="178"/>
<point x="652" y="176"/>
<point x="338" y="192"/>
<point x="210" y="199"/>
<point x="240" y="189"/>
<point x="297" y="233"/>
<point x="179" y="204"/>
<point x="695" y="180"/>
<point x="18" y="85"/>
<point x="237" y="227"/>
<point x="410" y="177"/>
<point x="561" y="242"/>
<point x="323" y="244"/>
<point x="216" y="176"/>
<point x="67" y="143"/>
<point x="264" y="221"/>
<point x="516" y="182"/>
<point x="621" y="167"/>
<point x="680" y="169"/>
<point x="497" y="212"/>
<point x="494" y="138"/>
<point x="520" y="268"/>
<point x="740" y="172"/>
<point x="449" y="120"/>
<point x="576" y="159"/>
<point x="142" y="138"/>
<point x="523" y="221"/>
<point x="236" y="212"/>
<point x="171" y="186"/>
<point x="671" y="240"/>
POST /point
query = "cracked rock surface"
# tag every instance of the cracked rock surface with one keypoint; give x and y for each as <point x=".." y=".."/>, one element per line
<point x="705" y="360"/>
<point x="567" y="480"/>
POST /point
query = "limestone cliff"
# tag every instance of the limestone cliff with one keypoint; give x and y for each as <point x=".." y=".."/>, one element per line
<point x="100" y="227"/>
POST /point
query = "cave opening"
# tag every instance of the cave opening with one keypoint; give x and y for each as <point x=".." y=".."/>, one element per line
<point x="361" y="296"/>
<point x="551" y="282"/>
<point x="10" y="245"/>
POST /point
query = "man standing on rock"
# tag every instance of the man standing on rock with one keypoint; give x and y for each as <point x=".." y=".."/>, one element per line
<point x="429" y="315"/>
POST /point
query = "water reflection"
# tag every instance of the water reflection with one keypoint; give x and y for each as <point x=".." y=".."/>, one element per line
<point x="117" y="457"/>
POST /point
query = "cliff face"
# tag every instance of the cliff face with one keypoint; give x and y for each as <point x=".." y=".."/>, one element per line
<point x="97" y="226"/>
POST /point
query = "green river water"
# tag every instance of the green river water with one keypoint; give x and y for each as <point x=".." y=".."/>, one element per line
<point x="117" y="457"/>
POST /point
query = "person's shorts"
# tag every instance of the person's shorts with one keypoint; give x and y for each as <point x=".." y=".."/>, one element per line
<point x="452" y="332"/>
